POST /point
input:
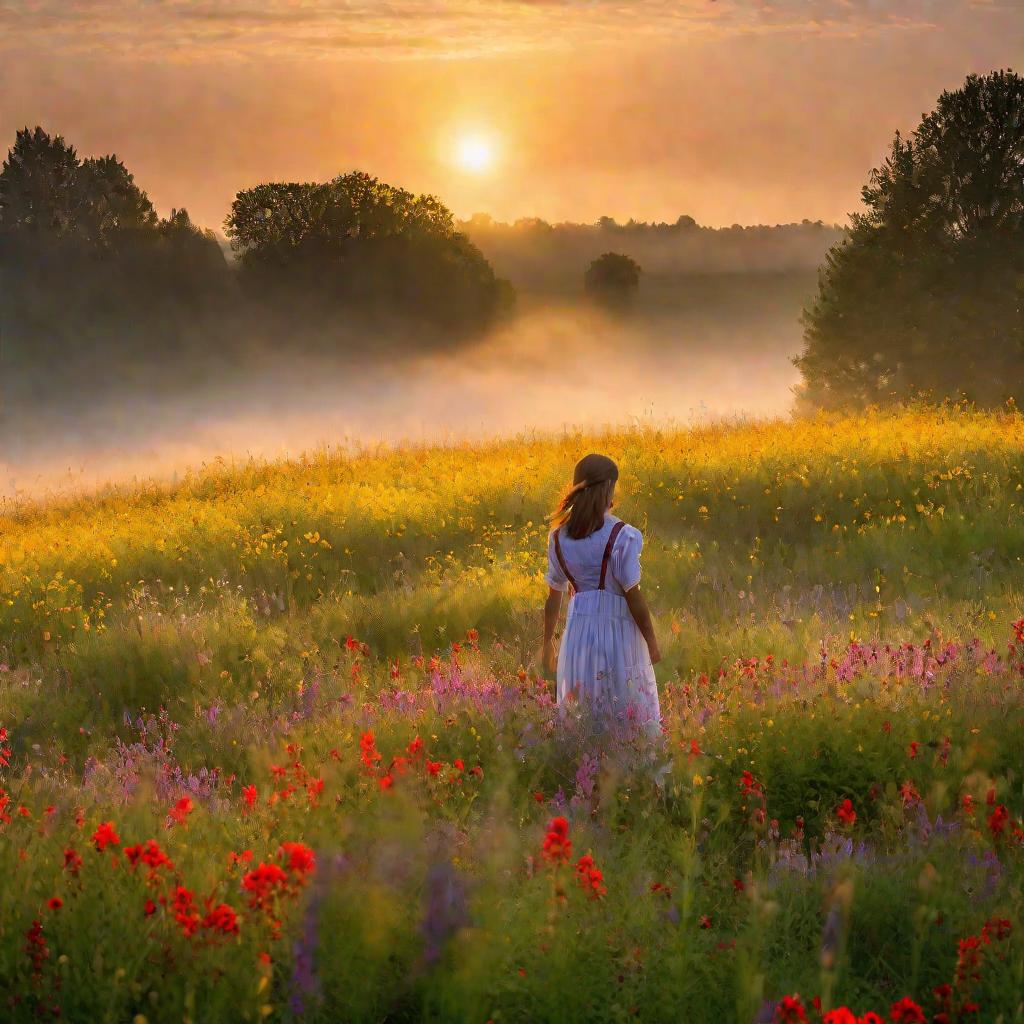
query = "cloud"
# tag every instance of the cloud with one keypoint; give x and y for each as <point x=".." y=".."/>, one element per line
<point x="195" y="29"/>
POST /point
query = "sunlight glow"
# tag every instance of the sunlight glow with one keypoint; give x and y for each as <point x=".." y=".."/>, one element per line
<point x="475" y="153"/>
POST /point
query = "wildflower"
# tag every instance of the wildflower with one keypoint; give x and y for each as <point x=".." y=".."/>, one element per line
<point x="912" y="749"/>
<point x="35" y="946"/>
<point x="72" y="860"/>
<point x="415" y="747"/>
<point x="790" y="1011"/>
<point x="967" y="803"/>
<point x="149" y="909"/>
<point x="557" y="846"/>
<point x="845" y="812"/>
<point x="433" y="767"/>
<point x="368" y="752"/>
<point x="55" y="903"/>
<point x="181" y="810"/>
<point x="221" y="918"/>
<point x="263" y="883"/>
<point x="749" y="786"/>
<point x="150" y="854"/>
<point x="998" y="928"/>
<point x="840" y="1015"/>
<point x="249" y="796"/>
<point x="185" y="913"/>
<point x="300" y="860"/>
<point x="386" y="781"/>
<point x="458" y="764"/>
<point x="997" y="820"/>
<point x="105" y="836"/>
<point x="705" y="922"/>
<point x="738" y="886"/>
<point x="590" y="877"/>
<point x="906" y="1011"/>
<point x="909" y="793"/>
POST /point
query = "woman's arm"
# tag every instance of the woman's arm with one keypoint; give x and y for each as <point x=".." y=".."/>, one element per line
<point x="642" y="617"/>
<point x="552" y="607"/>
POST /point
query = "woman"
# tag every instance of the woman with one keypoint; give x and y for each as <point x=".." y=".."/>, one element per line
<point x="609" y="649"/>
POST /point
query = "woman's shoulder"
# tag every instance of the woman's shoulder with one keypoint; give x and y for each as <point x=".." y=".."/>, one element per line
<point x="628" y="530"/>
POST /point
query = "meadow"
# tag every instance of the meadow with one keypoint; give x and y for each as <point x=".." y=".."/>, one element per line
<point x="274" y="743"/>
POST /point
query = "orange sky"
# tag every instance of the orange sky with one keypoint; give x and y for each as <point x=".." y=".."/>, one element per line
<point x="729" y="110"/>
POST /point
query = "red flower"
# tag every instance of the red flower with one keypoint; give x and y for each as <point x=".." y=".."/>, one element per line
<point x="150" y="854"/>
<point x="749" y="786"/>
<point x="459" y="764"/>
<point x="222" y="918"/>
<point x="705" y="921"/>
<point x="790" y="1011"/>
<point x="386" y="781"/>
<point x="249" y="796"/>
<point x="105" y="836"/>
<point x="263" y="883"/>
<point x="415" y="747"/>
<point x="912" y="749"/>
<point x="433" y="767"/>
<point x="998" y="928"/>
<point x="906" y="1011"/>
<point x="557" y="844"/>
<point x="184" y="910"/>
<point x="997" y="820"/>
<point x="845" y="812"/>
<point x="181" y="810"/>
<point x="840" y="1015"/>
<point x="589" y="876"/>
<point x="300" y="860"/>
<point x="72" y="861"/>
<point x="368" y="752"/>
<point x="149" y="909"/>
<point x="55" y="903"/>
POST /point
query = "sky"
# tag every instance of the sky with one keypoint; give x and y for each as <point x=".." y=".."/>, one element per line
<point x="731" y="111"/>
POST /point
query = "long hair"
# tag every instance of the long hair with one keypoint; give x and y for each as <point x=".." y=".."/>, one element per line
<point x="582" y="508"/>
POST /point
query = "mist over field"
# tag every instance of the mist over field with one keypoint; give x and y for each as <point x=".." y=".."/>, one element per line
<point x="555" y="366"/>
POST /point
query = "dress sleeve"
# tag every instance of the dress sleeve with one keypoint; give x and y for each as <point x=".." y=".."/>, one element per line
<point x="554" y="577"/>
<point x="625" y="562"/>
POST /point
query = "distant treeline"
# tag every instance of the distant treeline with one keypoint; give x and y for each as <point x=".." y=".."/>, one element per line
<point x="541" y="256"/>
<point x="98" y="292"/>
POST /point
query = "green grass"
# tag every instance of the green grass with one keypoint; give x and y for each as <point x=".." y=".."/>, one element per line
<point x="161" y="642"/>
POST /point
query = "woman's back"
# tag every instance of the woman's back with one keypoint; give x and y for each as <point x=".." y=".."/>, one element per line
<point x="583" y="558"/>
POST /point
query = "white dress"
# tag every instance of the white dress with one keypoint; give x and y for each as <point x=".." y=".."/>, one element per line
<point x="603" y="658"/>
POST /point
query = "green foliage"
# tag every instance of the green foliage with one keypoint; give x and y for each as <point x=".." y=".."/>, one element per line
<point x="835" y="597"/>
<point x="612" y="279"/>
<point x="360" y="245"/>
<point x="925" y="295"/>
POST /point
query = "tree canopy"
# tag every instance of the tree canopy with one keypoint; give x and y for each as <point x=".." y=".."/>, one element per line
<point x="359" y="244"/>
<point x="926" y="294"/>
<point x="612" y="279"/>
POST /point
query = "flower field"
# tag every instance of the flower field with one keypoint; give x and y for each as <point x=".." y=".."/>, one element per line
<point x="274" y="746"/>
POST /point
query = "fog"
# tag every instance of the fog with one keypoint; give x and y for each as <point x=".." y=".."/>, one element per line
<point x="550" y="369"/>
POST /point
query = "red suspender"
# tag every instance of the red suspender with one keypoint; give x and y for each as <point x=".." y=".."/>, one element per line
<point x="608" y="552"/>
<point x="561" y="562"/>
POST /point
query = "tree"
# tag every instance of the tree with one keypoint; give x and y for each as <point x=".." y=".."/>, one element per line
<point x="361" y="244"/>
<point x="38" y="184"/>
<point x="612" y="279"/>
<point x="926" y="293"/>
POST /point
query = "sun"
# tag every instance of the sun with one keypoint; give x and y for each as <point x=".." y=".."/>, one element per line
<point x="475" y="153"/>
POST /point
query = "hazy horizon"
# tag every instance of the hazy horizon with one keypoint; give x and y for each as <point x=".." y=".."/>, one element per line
<point x="726" y="110"/>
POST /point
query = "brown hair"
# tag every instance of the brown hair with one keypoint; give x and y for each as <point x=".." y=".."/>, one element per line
<point x="582" y="508"/>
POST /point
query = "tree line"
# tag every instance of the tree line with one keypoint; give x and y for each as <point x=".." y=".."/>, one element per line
<point x="924" y="298"/>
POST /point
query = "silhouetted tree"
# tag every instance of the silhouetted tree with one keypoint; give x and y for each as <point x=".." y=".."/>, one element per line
<point x="612" y="279"/>
<point x="926" y="295"/>
<point x="360" y="244"/>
